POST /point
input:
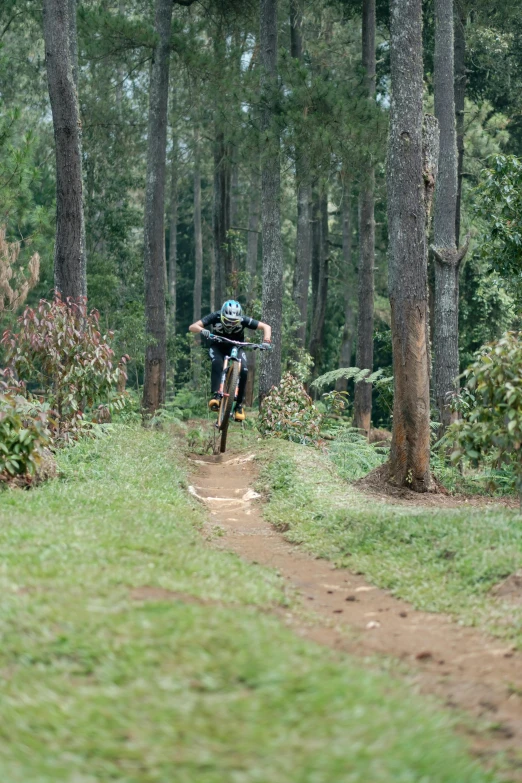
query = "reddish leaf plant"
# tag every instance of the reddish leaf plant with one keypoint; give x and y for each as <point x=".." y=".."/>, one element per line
<point x="63" y="357"/>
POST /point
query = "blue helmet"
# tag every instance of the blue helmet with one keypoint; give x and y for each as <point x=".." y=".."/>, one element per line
<point x="231" y="313"/>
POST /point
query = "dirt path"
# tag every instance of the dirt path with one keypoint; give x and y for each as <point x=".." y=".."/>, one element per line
<point x="465" y="668"/>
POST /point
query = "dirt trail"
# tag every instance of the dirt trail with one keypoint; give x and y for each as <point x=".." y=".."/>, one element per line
<point x="465" y="668"/>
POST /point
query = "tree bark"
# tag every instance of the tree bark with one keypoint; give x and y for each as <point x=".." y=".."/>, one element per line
<point x="198" y="251"/>
<point x="447" y="257"/>
<point x="303" y="250"/>
<point x="212" y="278"/>
<point x="460" y="99"/>
<point x="253" y="236"/>
<point x="173" y="242"/>
<point x="70" y="278"/>
<point x="345" y="357"/>
<point x="154" y="255"/>
<point x="270" y="374"/>
<point x="362" y="406"/>
<point x="317" y="332"/>
<point x="221" y="218"/>
<point x="410" y="450"/>
<point x="251" y="271"/>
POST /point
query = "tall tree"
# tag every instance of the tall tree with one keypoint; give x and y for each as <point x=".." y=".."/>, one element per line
<point x="345" y="356"/>
<point x="70" y="273"/>
<point x="362" y="406"/>
<point x="270" y="374"/>
<point x="198" y="245"/>
<point x="303" y="249"/>
<point x="222" y="177"/>
<point x="447" y="257"/>
<point x="410" y="449"/>
<point x="173" y="236"/>
<point x="154" y="256"/>
<point x="460" y="102"/>
<point x="321" y="273"/>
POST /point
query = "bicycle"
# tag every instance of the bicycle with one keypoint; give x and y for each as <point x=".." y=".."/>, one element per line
<point x="229" y="384"/>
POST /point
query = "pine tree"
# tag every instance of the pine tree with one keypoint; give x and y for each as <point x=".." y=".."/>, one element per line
<point x="410" y="449"/>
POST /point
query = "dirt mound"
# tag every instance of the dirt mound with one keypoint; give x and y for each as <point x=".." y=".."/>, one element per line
<point x="377" y="483"/>
<point x="510" y="589"/>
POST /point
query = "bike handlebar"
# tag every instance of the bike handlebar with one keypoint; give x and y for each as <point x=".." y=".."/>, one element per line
<point x="253" y="346"/>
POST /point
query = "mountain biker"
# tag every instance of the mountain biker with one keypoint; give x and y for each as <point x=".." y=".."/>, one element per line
<point x="229" y="322"/>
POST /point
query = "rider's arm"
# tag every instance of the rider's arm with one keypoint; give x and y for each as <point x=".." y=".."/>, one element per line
<point x="196" y="327"/>
<point x="267" y="331"/>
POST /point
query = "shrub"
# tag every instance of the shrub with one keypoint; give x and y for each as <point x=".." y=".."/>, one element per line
<point x="61" y="354"/>
<point x="491" y="405"/>
<point x="288" y="412"/>
<point x="23" y="432"/>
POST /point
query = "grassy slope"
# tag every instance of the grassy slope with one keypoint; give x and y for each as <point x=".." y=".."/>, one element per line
<point x="101" y="687"/>
<point x="440" y="560"/>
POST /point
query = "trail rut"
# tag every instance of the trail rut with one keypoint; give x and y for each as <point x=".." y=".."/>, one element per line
<point x="463" y="667"/>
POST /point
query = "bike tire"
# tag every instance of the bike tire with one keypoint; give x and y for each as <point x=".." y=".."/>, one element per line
<point x="227" y="403"/>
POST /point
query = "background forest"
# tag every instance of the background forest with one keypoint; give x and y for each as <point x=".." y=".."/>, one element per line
<point x="329" y="120"/>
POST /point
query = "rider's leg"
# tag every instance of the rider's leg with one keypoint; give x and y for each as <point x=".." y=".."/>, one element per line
<point x="243" y="375"/>
<point x="217" y="358"/>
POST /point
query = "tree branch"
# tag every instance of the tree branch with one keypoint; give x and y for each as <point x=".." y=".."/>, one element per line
<point x="450" y="256"/>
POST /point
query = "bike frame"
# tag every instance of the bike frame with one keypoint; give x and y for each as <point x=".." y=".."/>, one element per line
<point x="234" y="356"/>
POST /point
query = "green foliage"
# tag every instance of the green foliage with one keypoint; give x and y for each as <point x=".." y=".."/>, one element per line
<point x="351" y="373"/>
<point x="60" y="351"/>
<point x="491" y="406"/>
<point x="499" y="203"/>
<point x="23" y="431"/>
<point x="353" y="455"/>
<point x="288" y="412"/>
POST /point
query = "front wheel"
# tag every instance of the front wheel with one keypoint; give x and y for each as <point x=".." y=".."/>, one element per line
<point x="227" y="402"/>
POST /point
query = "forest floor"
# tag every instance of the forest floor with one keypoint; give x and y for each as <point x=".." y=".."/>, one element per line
<point x="133" y="650"/>
<point x="458" y="559"/>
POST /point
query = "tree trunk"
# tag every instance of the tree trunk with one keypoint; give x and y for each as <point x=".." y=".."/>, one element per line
<point x="316" y="229"/>
<point x="317" y="332"/>
<point x="362" y="405"/>
<point x="70" y="273"/>
<point x="154" y="256"/>
<point x="173" y="243"/>
<point x="198" y="251"/>
<point x="303" y="249"/>
<point x="270" y="374"/>
<point x="410" y="449"/>
<point x="221" y="218"/>
<point x="212" y="278"/>
<point x="345" y="357"/>
<point x="253" y="236"/>
<point x="447" y="257"/>
<point x="460" y="98"/>
<point x="251" y="271"/>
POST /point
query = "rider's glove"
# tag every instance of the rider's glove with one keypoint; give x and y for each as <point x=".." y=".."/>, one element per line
<point x="205" y="333"/>
<point x="266" y="346"/>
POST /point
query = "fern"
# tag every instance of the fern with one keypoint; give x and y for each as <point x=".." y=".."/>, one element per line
<point x="353" y="373"/>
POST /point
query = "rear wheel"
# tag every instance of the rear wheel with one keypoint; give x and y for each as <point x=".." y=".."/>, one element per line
<point x="227" y="402"/>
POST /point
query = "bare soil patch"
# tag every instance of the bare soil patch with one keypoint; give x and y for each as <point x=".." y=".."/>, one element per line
<point x="463" y="667"/>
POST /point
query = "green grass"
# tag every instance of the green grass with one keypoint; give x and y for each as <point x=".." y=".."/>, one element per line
<point x="202" y="687"/>
<point x="442" y="560"/>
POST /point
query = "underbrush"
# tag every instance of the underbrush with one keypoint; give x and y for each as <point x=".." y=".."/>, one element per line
<point x="133" y="652"/>
<point x="353" y="455"/>
<point x="444" y="560"/>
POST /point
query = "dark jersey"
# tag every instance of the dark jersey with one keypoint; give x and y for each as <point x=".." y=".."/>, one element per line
<point x="213" y="322"/>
